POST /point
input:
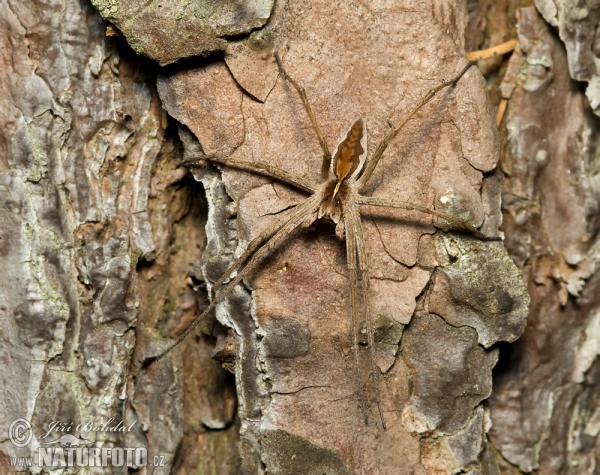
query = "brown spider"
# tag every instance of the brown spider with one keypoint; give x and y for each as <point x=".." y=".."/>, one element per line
<point x="337" y="200"/>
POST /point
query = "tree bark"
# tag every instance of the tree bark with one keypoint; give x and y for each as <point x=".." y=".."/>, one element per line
<point x="544" y="407"/>
<point x="109" y="247"/>
<point x="98" y="230"/>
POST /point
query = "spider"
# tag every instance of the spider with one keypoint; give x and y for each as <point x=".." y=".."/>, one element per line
<point x="338" y="200"/>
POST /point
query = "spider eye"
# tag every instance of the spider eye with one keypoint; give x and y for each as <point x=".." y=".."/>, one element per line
<point x="350" y="155"/>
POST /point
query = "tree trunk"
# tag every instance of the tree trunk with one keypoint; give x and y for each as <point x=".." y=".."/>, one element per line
<point x="544" y="407"/>
<point x="109" y="248"/>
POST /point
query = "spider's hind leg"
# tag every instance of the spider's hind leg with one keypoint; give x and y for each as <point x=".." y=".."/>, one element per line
<point x="352" y="262"/>
<point x="298" y="218"/>
<point x="363" y="266"/>
<point x="265" y="234"/>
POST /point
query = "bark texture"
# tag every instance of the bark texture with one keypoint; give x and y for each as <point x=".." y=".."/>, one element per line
<point x="455" y="296"/>
<point x="93" y="257"/>
<point x="544" y="407"/>
<point x="108" y="248"/>
<point x="170" y="30"/>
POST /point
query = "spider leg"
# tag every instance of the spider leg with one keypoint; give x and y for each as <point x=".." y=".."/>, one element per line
<point x="259" y="167"/>
<point x="362" y="181"/>
<point x="303" y="212"/>
<point x="351" y="259"/>
<point x="364" y="272"/>
<point x="326" y="154"/>
<point x="457" y="223"/>
<point x="281" y="221"/>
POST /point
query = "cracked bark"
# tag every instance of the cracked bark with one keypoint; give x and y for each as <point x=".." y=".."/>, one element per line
<point x="107" y="247"/>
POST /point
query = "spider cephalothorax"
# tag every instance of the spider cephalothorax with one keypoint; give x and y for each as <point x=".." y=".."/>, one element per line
<point x="336" y="198"/>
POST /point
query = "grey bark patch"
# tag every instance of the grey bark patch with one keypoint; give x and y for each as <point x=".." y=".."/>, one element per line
<point x="491" y="197"/>
<point x="170" y="30"/>
<point x="9" y="227"/>
<point x="387" y="331"/>
<point x="467" y="443"/>
<point x="286" y="337"/>
<point x="96" y="349"/>
<point x="288" y="454"/>
<point x="387" y="334"/>
<point x="38" y="295"/>
<point x="451" y="374"/>
<point x="482" y="288"/>
<point x="108" y="269"/>
<point x="155" y="393"/>
<point x="457" y="452"/>
<point x="539" y="67"/>
<point x="577" y="25"/>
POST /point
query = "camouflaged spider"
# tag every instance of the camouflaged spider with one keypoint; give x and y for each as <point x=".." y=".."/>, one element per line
<point x="337" y="200"/>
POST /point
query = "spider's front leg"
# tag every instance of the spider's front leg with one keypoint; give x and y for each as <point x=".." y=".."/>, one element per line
<point x="383" y="145"/>
<point x="313" y="120"/>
